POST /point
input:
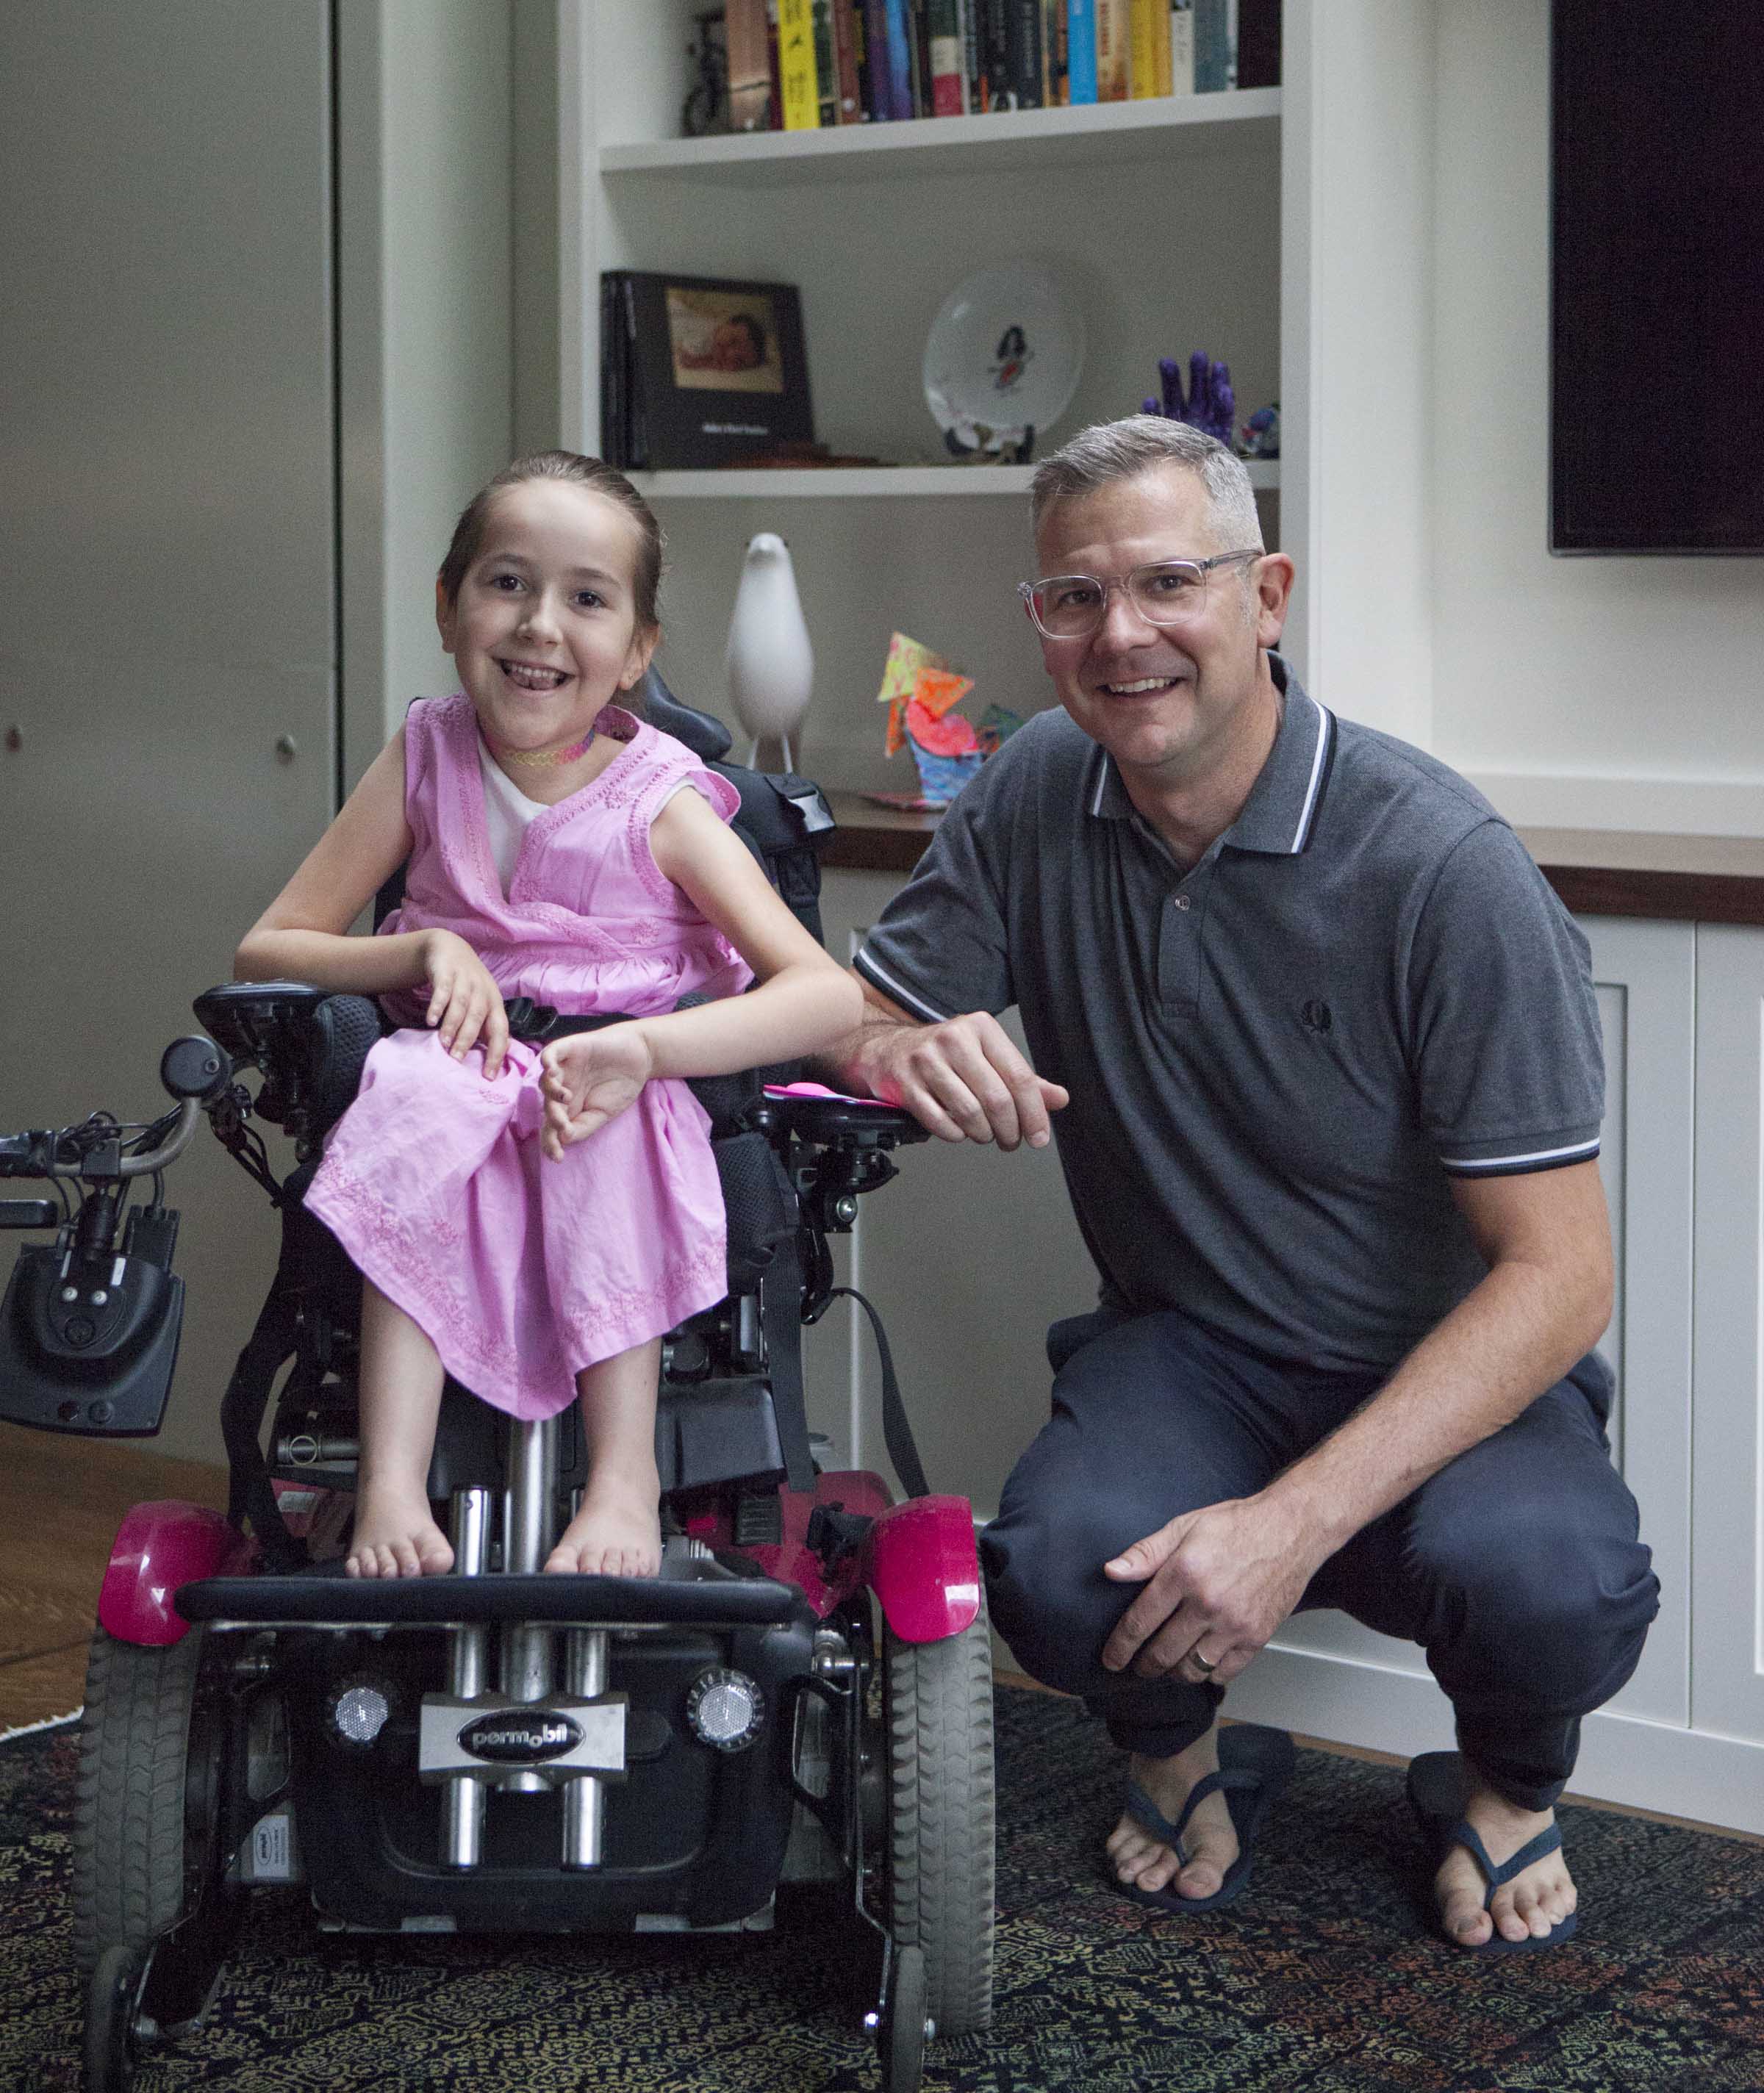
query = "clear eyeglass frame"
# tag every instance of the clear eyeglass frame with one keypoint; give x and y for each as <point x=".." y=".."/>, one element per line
<point x="1139" y="588"/>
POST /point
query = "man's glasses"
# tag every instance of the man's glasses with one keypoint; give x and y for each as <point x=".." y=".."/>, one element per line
<point x="1169" y="592"/>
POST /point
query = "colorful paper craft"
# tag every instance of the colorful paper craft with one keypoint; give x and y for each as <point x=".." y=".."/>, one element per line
<point x="997" y="725"/>
<point x="936" y="689"/>
<point x="951" y="736"/>
<point x="906" y="658"/>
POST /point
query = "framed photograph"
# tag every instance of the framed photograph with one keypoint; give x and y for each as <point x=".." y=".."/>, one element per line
<point x="700" y="372"/>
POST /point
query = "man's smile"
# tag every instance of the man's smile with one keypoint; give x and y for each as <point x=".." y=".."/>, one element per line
<point x="1139" y="688"/>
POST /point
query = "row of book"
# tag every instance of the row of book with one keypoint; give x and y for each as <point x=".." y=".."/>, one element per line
<point x="807" y="65"/>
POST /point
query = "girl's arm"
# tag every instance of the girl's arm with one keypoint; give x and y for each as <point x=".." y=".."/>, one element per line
<point x="803" y="1002"/>
<point x="303" y="935"/>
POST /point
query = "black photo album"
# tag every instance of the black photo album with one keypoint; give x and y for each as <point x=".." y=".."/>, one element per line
<point x="699" y="372"/>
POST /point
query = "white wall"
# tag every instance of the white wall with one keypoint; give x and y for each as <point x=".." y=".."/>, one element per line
<point x="185" y="331"/>
<point x="426" y="325"/>
<point x="1601" y="693"/>
<point x="167" y="534"/>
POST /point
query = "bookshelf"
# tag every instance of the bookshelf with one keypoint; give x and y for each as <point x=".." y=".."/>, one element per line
<point x="873" y="483"/>
<point x="1102" y="133"/>
<point x="1286" y="230"/>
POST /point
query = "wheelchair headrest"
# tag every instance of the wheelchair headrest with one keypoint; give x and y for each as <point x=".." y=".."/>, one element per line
<point x="708" y="738"/>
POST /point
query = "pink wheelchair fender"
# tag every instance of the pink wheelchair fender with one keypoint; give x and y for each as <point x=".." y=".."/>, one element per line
<point x="920" y="1560"/>
<point x="159" y="1548"/>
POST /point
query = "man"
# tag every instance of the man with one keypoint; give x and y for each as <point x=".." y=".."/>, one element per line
<point x="1325" y="1064"/>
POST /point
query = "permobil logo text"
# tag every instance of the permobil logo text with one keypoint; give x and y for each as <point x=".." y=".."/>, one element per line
<point x="509" y="1737"/>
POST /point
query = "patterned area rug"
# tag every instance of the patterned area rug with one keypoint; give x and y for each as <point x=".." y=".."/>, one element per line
<point x="1322" y="1980"/>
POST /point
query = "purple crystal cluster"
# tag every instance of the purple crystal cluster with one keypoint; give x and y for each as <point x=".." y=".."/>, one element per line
<point x="1210" y="405"/>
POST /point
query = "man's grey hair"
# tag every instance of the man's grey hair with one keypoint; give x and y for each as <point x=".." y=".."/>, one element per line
<point x="1110" y="451"/>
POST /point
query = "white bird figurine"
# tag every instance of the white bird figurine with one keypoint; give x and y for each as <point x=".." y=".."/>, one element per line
<point x="771" y="664"/>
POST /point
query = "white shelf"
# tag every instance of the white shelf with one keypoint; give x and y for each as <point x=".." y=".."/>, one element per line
<point x="1095" y="134"/>
<point x="865" y="483"/>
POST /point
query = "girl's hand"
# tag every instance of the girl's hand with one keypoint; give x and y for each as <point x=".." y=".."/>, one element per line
<point x="465" y="1003"/>
<point x="589" y="1078"/>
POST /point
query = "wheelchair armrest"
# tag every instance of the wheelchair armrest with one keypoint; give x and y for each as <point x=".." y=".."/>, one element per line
<point x="249" y="1018"/>
<point x="309" y="1044"/>
<point x="830" y="1121"/>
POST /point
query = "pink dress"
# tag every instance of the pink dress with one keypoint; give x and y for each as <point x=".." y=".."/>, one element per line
<point x="521" y="1270"/>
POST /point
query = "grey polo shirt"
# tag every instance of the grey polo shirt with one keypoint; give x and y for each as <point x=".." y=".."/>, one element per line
<point x="1279" y="1057"/>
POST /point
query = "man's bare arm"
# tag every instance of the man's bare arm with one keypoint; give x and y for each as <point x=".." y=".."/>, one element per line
<point x="962" y="1080"/>
<point x="1228" y="1574"/>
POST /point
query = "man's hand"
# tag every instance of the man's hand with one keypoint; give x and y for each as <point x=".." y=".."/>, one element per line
<point x="1219" y="1581"/>
<point x="962" y="1080"/>
<point x="589" y="1078"/>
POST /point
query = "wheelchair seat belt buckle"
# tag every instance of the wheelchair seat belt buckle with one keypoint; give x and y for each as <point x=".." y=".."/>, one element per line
<point x="532" y="1023"/>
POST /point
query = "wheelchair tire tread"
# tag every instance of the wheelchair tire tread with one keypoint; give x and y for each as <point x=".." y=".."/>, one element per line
<point x="128" y="1874"/>
<point x="941" y="1818"/>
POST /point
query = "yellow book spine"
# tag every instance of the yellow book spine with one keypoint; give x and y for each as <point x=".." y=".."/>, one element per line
<point x="797" y="65"/>
<point x="1150" y="49"/>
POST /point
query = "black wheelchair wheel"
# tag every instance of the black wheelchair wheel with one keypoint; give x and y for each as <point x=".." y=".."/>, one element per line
<point x="900" y="2034"/>
<point x="129" y="1857"/>
<point x="109" y="2053"/>
<point x="152" y="1913"/>
<point x="147" y="1817"/>
<point x="938" y="1713"/>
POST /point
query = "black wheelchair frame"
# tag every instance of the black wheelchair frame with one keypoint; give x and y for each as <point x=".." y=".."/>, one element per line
<point x="803" y="1695"/>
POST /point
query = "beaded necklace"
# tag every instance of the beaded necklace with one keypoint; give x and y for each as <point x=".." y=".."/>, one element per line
<point x="541" y="759"/>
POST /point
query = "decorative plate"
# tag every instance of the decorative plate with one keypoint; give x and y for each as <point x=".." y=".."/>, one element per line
<point x="1003" y="355"/>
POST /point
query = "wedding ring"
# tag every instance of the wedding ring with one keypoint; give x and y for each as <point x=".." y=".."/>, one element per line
<point x="1205" y="1663"/>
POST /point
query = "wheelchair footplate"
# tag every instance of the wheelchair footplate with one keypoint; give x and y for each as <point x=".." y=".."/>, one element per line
<point x="328" y="1601"/>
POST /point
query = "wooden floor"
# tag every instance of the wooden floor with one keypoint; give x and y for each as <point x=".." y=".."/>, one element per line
<point x="61" y="1502"/>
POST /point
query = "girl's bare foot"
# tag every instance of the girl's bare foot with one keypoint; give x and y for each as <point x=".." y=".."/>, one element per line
<point x="1139" y="1857"/>
<point x="395" y="1534"/>
<point x="617" y="1533"/>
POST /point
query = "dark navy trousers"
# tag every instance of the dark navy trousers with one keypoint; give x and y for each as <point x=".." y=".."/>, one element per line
<point x="1517" y="1568"/>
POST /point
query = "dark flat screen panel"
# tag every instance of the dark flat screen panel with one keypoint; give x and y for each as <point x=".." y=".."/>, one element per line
<point x="1656" y="264"/>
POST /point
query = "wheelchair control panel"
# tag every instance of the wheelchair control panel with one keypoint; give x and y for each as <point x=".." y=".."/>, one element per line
<point x="842" y="1145"/>
<point x="90" y="1323"/>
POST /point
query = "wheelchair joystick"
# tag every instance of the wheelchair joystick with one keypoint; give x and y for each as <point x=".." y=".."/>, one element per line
<point x="193" y="1067"/>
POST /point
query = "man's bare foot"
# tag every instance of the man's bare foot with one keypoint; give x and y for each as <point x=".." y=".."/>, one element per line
<point x="1142" y="1859"/>
<point x="1537" y="1899"/>
<point x="617" y="1533"/>
<point x="395" y="1534"/>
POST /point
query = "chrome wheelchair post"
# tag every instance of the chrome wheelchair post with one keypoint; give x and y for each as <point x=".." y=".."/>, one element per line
<point x="585" y="1796"/>
<point x="527" y="1651"/>
<point x="463" y="1815"/>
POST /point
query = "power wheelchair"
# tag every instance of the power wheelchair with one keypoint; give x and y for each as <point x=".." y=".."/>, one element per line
<point x="803" y="1695"/>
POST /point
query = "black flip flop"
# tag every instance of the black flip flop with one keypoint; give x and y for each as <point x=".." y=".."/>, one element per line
<point x="1439" y="1790"/>
<point x="1254" y="1764"/>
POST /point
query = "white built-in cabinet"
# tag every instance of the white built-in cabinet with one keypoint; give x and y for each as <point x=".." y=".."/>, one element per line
<point x="1727" y="1643"/>
<point x="972" y="1254"/>
<point x="1287" y="230"/>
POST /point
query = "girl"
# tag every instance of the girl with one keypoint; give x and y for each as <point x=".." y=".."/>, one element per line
<point x="533" y="1223"/>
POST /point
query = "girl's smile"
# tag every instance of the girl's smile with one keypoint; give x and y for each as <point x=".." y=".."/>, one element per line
<point x="531" y="676"/>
